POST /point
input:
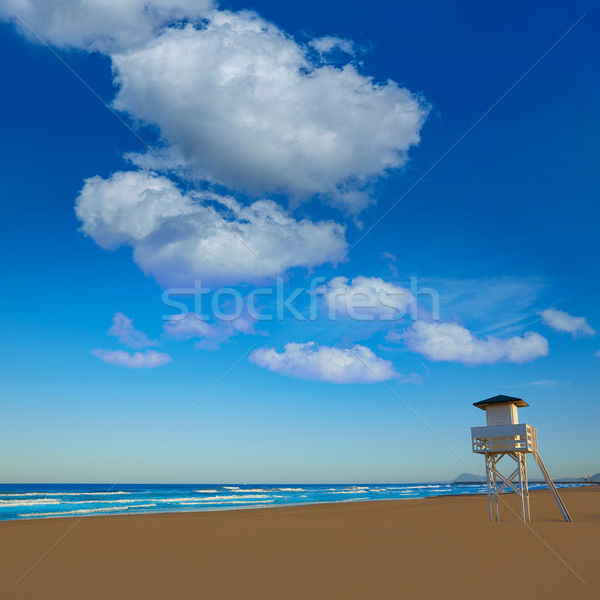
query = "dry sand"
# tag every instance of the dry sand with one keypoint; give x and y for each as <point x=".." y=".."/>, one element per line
<point x="432" y="548"/>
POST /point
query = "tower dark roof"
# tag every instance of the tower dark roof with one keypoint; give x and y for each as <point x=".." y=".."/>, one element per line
<point x="501" y="399"/>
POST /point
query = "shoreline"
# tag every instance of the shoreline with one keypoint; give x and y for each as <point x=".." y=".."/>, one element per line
<point x="267" y="505"/>
<point x="273" y="507"/>
<point x="235" y="508"/>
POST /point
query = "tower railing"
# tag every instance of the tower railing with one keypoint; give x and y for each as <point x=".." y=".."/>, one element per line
<point x="504" y="438"/>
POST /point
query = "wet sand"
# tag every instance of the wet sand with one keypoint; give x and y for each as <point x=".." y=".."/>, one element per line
<point x="430" y="548"/>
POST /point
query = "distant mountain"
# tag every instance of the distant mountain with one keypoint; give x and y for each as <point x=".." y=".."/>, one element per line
<point x="595" y="478"/>
<point x="469" y="478"/>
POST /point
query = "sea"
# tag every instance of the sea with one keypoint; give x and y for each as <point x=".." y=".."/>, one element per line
<point x="40" y="501"/>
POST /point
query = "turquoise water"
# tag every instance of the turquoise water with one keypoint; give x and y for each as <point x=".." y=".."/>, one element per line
<point x="33" y="501"/>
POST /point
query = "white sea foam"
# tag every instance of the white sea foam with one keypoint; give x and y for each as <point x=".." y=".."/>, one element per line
<point x="42" y="501"/>
<point x="230" y="502"/>
<point x="291" y="490"/>
<point x="25" y="494"/>
<point x="119" y="501"/>
<point x="47" y="501"/>
<point x="238" y="490"/>
<point x="231" y="498"/>
<point x="207" y="491"/>
<point x="172" y="500"/>
<point x="230" y="487"/>
<point x="84" y="511"/>
<point x="344" y="501"/>
<point x="204" y="499"/>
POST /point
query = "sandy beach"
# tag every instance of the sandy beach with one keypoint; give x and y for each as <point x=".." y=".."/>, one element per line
<point x="426" y="548"/>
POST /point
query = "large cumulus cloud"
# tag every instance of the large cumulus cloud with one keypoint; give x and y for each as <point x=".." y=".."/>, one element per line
<point x="235" y="99"/>
<point x="178" y="237"/>
<point x="358" y="364"/>
<point x="241" y="103"/>
<point x="451" y="342"/>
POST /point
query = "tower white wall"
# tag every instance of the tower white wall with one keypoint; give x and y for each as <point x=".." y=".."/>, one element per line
<point x="501" y="414"/>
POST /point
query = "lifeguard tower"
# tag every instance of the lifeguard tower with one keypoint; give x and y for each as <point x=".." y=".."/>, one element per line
<point x="505" y="436"/>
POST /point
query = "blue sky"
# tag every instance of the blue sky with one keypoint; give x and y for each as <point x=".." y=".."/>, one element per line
<point x="296" y="146"/>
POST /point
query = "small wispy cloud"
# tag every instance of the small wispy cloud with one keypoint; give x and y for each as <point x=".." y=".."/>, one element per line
<point x="325" y="363"/>
<point x="392" y="259"/>
<point x="328" y="43"/>
<point x="124" y="330"/>
<point x="365" y="298"/>
<point x="499" y="306"/>
<point x="559" y="320"/>
<point x="210" y="336"/>
<point x="542" y="383"/>
<point x="149" y="359"/>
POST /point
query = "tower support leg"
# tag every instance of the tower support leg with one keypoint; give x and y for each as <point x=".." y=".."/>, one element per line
<point x="561" y="505"/>
<point x="525" y="489"/>
<point x="488" y="479"/>
<point x="521" y="490"/>
<point x="495" y="484"/>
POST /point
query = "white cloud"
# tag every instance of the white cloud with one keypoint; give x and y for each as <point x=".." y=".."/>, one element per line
<point x="563" y="321"/>
<point x="191" y="326"/>
<point x="123" y="329"/>
<point x="453" y="343"/>
<point x="365" y="298"/>
<point x="499" y="306"/>
<point x="178" y="238"/>
<point x="392" y="259"/>
<point x="542" y="383"/>
<point x="597" y="354"/>
<point x="328" y="43"/>
<point x="104" y="25"/>
<point x="210" y="335"/>
<point x="149" y="359"/>
<point x="237" y="100"/>
<point x="240" y="103"/>
<point x="324" y="363"/>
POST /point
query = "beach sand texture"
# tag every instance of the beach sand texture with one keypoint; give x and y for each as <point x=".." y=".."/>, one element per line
<point x="427" y="548"/>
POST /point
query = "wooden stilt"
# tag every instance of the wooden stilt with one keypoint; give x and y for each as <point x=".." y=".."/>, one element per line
<point x="488" y="478"/>
<point x="521" y="492"/>
<point x="557" y="498"/>
<point x="526" y="489"/>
